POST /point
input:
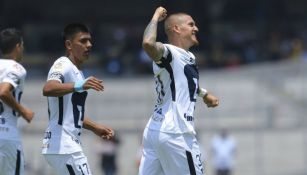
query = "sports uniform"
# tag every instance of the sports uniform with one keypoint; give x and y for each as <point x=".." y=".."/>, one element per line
<point x="11" y="153"/>
<point x="170" y="146"/>
<point x="61" y="145"/>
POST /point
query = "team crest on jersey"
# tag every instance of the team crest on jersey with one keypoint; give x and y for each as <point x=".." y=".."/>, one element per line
<point x="58" y="66"/>
<point x="17" y="67"/>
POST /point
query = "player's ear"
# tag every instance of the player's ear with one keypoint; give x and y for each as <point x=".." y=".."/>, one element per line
<point x="176" y="29"/>
<point x="67" y="44"/>
<point x="18" y="46"/>
<point x="18" y="49"/>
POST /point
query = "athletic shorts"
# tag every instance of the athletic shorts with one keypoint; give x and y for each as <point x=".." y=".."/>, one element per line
<point x="69" y="164"/>
<point x="170" y="154"/>
<point x="11" y="158"/>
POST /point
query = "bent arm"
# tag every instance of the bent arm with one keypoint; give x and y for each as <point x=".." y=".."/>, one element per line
<point x="54" y="88"/>
<point x="7" y="97"/>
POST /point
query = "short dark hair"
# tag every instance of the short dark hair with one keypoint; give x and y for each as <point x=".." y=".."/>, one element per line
<point x="71" y="29"/>
<point x="8" y="39"/>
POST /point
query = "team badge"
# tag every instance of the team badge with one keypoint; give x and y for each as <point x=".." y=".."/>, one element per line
<point x="17" y="67"/>
<point x="58" y="66"/>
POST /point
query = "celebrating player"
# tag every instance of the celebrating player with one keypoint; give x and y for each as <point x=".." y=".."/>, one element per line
<point x="170" y="145"/>
<point x="12" y="77"/>
<point x="66" y="91"/>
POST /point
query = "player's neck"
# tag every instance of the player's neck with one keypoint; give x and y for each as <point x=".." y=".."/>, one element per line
<point x="179" y="43"/>
<point x="75" y="61"/>
<point x="10" y="56"/>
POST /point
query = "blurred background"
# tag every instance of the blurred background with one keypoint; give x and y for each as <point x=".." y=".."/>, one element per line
<point x="252" y="55"/>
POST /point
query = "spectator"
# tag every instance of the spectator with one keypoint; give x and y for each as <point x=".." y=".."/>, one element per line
<point x="223" y="149"/>
<point x="108" y="154"/>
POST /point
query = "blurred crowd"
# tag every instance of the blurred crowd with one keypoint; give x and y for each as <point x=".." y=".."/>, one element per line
<point x="231" y="33"/>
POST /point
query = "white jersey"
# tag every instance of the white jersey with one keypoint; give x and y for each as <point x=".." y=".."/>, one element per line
<point x="15" y="74"/>
<point x="66" y="113"/>
<point x="176" y="78"/>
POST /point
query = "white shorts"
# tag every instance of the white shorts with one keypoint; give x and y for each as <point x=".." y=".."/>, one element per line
<point x="69" y="164"/>
<point x="11" y="158"/>
<point x="170" y="154"/>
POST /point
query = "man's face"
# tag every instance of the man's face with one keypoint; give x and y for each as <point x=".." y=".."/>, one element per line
<point x="80" y="46"/>
<point x="188" y="30"/>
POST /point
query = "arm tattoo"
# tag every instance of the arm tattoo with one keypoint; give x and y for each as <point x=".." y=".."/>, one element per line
<point x="150" y="32"/>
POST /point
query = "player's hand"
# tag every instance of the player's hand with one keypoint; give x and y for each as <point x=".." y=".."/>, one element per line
<point x="27" y="114"/>
<point x="210" y="100"/>
<point x="104" y="132"/>
<point x="93" y="83"/>
<point x="160" y="14"/>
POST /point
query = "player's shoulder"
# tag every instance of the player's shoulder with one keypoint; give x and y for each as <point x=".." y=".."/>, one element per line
<point x="61" y="64"/>
<point x="16" y="67"/>
<point x="171" y="47"/>
<point x="177" y="51"/>
<point x="62" y="60"/>
<point x="168" y="48"/>
<point x="168" y="45"/>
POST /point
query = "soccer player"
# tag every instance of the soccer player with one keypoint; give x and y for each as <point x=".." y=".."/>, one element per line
<point x="66" y="89"/>
<point x="12" y="78"/>
<point x="170" y="145"/>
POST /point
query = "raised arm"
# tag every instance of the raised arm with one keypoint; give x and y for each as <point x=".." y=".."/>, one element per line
<point x="153" y="48"/>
